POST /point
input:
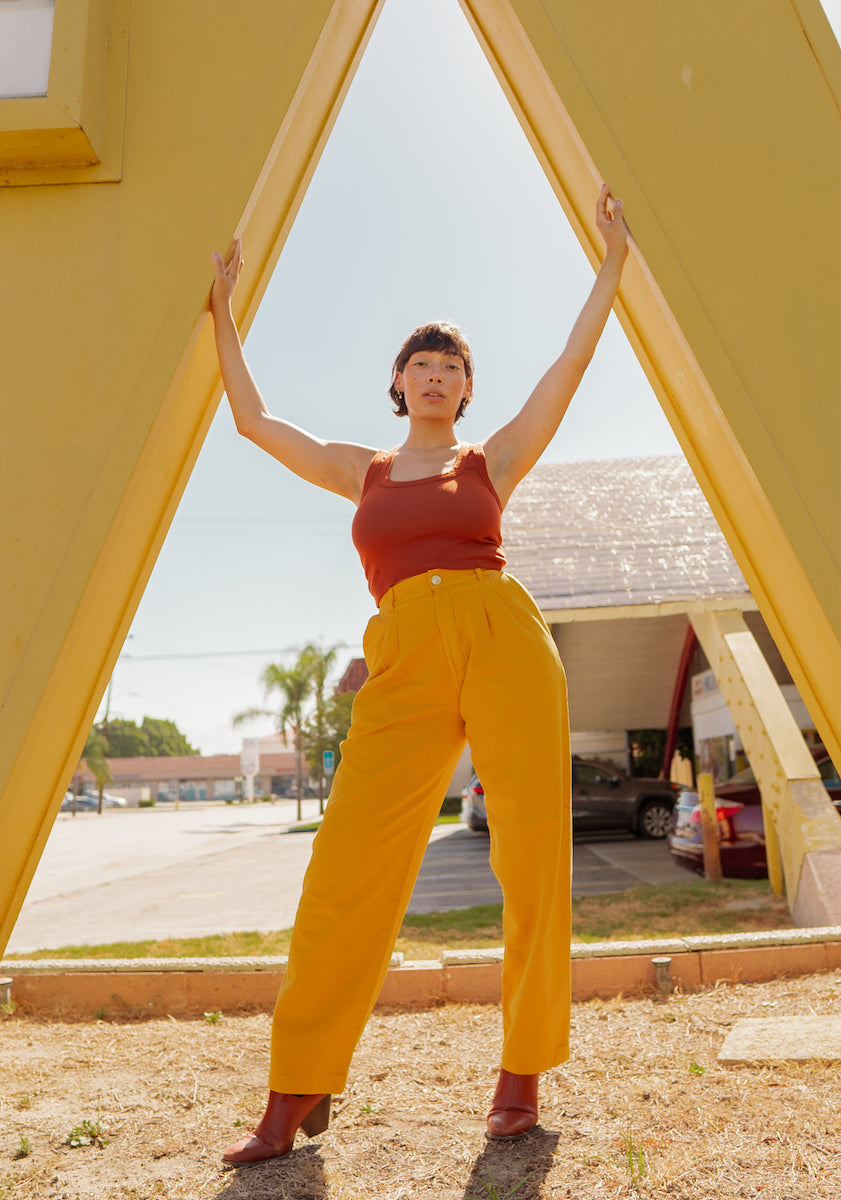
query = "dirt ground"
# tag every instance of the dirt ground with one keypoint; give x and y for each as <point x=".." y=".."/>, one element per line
<point x="642" y="1109"/>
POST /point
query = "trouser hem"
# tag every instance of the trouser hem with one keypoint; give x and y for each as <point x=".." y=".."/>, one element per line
<point x="307" y="1085"/>
<point x="535" y="1066"/>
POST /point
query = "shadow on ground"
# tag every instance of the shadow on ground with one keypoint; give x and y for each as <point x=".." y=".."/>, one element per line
<point x="513" y="1168"/>
<point x="273" y="1179"/>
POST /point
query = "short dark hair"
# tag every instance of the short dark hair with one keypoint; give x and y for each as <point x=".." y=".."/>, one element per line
<point x="442" y="336"/>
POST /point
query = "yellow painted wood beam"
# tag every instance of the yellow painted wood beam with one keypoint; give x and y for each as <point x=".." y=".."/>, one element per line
<point x="110" y="378"/>
<point x="720" y="126"/>
<point x="801" y="824"/>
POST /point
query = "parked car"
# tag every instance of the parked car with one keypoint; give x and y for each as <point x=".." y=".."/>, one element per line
<point x="109" y="800"/>
<point x="79" y="803"/>
<point x="473" y="812"/>
<point x="739" y="824"/>
<point x="88" y="801"/>
<point x="602" y="799"/>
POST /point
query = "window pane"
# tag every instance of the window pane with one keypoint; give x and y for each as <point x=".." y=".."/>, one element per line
<point x="26" y="35"/>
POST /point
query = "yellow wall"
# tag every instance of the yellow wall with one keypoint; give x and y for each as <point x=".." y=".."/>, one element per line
<point x="109" y="376"/>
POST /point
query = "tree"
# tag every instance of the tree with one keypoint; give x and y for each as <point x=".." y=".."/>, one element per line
<point x="94" y="754"/>
<point x="165" y="738"/>
<point x="336" y="722"/>
<point x="315" y="734"/>
<point x="125" y="739"/>
<point x="295" y="685"/>
<point x="155" y="737"/>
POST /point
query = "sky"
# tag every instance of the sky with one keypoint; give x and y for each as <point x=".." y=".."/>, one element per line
<point x="427" y="203"/>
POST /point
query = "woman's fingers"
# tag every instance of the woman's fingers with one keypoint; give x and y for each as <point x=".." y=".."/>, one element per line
<point x="606" y="205"/>
<point x="226" y="270"/>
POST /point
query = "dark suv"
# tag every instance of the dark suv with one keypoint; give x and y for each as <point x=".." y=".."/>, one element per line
<point x="602" y="799"/>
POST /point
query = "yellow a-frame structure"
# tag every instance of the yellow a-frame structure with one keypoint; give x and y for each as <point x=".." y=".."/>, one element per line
<point x="168" y="127"/>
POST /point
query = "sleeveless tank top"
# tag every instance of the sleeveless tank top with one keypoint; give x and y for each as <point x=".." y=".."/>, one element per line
<point x="405" y="527"/>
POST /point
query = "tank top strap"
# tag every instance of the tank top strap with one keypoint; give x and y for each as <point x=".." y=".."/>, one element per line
<point x="377" y="470"/>
<point x="474" y="458"/>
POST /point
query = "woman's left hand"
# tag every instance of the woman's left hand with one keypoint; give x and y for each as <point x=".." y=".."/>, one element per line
<point x="610" y="222"/>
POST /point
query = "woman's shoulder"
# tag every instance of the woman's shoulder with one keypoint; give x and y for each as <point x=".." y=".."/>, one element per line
<point x="473" y="452"/>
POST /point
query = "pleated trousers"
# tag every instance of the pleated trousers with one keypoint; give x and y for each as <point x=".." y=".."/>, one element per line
<point x="452" y="655"/>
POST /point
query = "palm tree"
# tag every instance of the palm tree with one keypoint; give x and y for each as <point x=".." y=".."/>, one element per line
<point x="294" y="684"/>
<point x="94" y="754"/>
<point x="319" y="662"/>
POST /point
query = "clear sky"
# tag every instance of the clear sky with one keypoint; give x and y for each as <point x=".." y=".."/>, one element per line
<point x="427" y="203"/>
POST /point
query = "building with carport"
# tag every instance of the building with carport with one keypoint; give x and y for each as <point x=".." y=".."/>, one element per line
<point x="620" y="554"/>
<point x="641" y="592"/>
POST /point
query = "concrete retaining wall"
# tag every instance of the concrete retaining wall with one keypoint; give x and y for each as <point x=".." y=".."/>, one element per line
<point x="135" y="988"/>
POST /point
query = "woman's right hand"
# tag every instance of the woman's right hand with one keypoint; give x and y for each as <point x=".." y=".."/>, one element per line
<point x="226" y="272"/>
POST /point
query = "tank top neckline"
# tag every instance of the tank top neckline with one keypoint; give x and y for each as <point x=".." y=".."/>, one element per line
<point x="388" y="462"/>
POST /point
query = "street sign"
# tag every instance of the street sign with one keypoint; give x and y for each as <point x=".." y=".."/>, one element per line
<point x="327" y="762"/>
<point x="250" y="756"/>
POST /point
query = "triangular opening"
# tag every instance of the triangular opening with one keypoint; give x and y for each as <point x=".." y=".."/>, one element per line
<point x="428" y="201"/>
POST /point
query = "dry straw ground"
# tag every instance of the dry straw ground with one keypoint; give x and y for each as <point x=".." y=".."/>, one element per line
<point x="643" y="1109"/>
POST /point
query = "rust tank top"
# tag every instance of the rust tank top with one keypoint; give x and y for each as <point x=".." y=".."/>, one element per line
<point x="405" y="527"/>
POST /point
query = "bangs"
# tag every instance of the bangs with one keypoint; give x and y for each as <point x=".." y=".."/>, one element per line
<point x="439" y="336"/>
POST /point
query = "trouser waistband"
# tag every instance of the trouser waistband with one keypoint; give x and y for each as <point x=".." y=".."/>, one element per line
<point x="439" y="579"/>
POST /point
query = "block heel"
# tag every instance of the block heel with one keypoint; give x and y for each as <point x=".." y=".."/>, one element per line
<point x="319" y="1118"/>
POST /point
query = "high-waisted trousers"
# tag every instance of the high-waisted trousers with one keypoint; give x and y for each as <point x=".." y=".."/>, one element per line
<point x="452" y="655"/>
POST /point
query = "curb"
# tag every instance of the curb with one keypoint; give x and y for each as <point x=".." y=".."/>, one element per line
<point x="129" y="989"/>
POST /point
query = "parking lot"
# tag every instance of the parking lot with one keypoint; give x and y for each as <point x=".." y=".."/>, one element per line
<point x="132" y="874"/>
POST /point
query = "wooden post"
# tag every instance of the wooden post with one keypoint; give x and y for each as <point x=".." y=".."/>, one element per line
<point x="712" y="857"/>
<point x="772" y="852"/>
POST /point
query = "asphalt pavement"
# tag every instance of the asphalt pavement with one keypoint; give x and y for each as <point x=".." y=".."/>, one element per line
<point x="133" y="874"/>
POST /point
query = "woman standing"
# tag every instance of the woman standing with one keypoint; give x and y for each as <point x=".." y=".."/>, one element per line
<point x="457" y="651"/>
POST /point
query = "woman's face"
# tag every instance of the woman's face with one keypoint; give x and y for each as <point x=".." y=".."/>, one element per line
<point x="434" y="383"/>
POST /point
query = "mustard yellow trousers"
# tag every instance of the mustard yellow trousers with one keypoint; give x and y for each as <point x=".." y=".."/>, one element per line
<point x="452" y="655"/>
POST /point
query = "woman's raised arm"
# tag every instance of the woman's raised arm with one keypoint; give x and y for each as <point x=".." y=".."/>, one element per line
<point x="513" y="450"/>
<point x="337" y="466"/>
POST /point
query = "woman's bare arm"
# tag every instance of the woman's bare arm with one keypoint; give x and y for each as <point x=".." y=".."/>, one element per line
<point x="513" y="450"/>
<point x="337" y="466"/>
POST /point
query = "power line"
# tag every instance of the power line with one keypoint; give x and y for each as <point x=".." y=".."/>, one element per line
<point x="219" y="653"/>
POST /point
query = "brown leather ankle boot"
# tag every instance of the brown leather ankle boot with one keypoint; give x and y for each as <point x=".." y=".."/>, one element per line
<point x="514" y="1108"/>
<point x="285" y="1114"/>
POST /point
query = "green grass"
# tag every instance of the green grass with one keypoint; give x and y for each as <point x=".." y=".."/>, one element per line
<point x="692" y="908"/>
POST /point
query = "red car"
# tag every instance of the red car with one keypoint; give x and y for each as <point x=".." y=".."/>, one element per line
<point x="741" y="833"/>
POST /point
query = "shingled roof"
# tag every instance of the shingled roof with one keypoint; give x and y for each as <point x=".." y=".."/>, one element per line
<point x="617" y="532"/>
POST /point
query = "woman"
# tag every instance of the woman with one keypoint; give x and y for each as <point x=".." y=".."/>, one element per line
<point x="457" y="651"/>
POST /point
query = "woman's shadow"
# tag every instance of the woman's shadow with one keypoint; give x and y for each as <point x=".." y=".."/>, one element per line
<point x="268" y="1181"/>
<point x="513" y="1168"/>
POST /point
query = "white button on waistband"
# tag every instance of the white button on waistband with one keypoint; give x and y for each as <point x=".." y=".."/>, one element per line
<point x="435" y="579"/>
